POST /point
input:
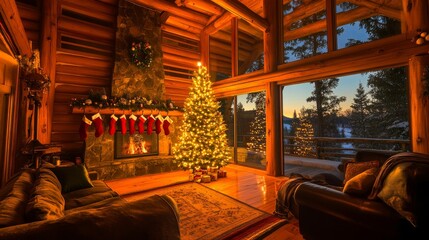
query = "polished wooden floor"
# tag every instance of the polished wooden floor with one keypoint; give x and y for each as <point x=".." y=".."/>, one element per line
<point x="248" y="185"/>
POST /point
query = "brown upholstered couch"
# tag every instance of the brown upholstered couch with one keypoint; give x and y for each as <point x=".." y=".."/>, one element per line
<point x="34" y="205"/>
<point x="396" y="206"/>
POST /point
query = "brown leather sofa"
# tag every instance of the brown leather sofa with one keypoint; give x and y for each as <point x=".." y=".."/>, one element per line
<point x="396" y="208"/>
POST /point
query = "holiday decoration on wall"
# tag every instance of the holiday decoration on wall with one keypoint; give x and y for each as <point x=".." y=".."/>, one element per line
<point x="158" y="122"/>
<point x="112" y="124"/>
<point x="150" y="122"/>
<point x="132" y="120"/>
<point x="203" y="141"/>
<point x="83" y="129"/>
<point x="166" y="124"/>
<point x="141" y="54"/>
<point x="98" y="123"/>
<point x="102" y="101"/>
<point x="123" y="120"/>
<point x="141" y="122"/>
<point x="35" y="81"/>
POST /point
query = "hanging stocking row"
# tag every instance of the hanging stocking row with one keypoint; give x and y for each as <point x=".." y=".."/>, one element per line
<point x="157" y="123"/>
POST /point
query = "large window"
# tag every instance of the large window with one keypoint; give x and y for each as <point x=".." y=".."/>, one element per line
<point x="247" y="128"/>
<point x="334" y="118"/>
<point x="305" y="25"/>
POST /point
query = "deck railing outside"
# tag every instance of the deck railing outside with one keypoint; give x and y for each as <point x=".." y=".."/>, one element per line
<point x="339" y="148"/>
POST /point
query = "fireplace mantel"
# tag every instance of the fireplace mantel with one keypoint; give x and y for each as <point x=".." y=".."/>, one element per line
<point x="93" y="110"/>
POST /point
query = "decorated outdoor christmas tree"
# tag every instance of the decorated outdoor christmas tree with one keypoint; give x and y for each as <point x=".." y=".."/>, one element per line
<point x="304" y="140"/>
<point x="257" y="141"/>
<point x="203" y="140"/>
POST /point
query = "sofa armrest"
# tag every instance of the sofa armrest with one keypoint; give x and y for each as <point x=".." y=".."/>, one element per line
<point x="154" y="217"/>
<point x="329" y="213"/>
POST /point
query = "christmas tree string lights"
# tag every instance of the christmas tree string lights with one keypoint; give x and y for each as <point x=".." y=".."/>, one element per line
<point x="203" y="140"/>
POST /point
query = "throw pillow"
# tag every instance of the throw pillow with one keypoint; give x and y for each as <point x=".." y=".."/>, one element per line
<point x="399" y="191"/>
<point x="72" y="177"/>
<point x="362" y="183"/>
<point x="46" y="202"/>
<point x="355" y="168"/>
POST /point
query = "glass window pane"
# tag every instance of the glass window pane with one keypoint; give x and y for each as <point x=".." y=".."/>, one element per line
<point x="364" y="25"/>
<point x="304" y="24"/>
<point x="227" y="110"/>
<point x="251" y="130"/>
<point x="332" y="119"/>
<point x="250" y="48"/>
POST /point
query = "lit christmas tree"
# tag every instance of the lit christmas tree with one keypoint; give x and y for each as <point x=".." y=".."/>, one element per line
<point x="257" y="142"/>
<point x="203" y="141"/>
<point x="304" y="140"/>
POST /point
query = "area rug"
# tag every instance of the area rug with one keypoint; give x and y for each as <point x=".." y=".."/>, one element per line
<point x="208" y="214"/>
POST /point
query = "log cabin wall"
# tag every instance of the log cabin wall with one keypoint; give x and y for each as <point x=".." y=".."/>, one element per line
<point x="85" y="57"/>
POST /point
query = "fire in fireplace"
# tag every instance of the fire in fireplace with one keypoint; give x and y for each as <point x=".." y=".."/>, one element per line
<point x="135" y="145"/>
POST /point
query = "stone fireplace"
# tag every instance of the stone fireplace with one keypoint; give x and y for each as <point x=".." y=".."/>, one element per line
<point x="112" y="156"/>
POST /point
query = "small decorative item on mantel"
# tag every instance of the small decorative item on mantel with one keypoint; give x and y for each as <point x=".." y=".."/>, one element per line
<point x="205" y="179"/>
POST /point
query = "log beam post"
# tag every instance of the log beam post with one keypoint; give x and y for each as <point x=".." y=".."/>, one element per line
<point x="274" y="153"/>
<point x="416" y="13"/>
<point x="48" y="61"/>
<point x="240" y="10"/>
<point x="419" y="104"/>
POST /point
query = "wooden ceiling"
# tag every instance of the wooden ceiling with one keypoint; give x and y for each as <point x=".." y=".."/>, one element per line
<point x="191" y="18"/>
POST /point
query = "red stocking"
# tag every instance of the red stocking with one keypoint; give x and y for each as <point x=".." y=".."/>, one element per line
<point x="150" y="122"/>
<point x="158" y="122"/>
<point x="123" y="124"/>
<point x="112" y="126"/>
<point x="132" y="124"/>
<point x="98" y="123"/>
<point x="166" y="124"/>
<point x="84" y="127"/>
<point x="142" y="119"/>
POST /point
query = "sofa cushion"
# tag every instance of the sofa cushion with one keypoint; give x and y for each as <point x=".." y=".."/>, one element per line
<point x="14" y="196"/>
<point x="355" y="168"/>
<point x="361" y="184"/>
<point x="72" y="177"/>
<point x="85" y="196"/>
<point x="46" y="201"/>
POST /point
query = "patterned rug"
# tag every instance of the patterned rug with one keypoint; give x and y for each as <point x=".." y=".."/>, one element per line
<point x="208" y="214"/>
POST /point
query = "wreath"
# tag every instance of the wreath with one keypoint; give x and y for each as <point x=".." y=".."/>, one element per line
<point x="141" y="54"/>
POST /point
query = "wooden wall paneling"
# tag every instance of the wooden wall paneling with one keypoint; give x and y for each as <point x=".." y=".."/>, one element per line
<point x="71" y="78"/>
<point x="84" y="60"/>
<point x="234" y="47"/>
<point x="218" y="23"/>
<point x="383" y="9"/>
<point x="180" y="32"/>
<point x="81" y="28"/>
<point x="96" y="72"/>
<point x="419" y="104"/>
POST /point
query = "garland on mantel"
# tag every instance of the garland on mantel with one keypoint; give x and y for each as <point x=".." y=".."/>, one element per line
<point x="124" y="103"/>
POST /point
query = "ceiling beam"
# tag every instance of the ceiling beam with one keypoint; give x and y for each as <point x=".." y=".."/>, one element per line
<point x="200" y="5"/>
<point x="240" y="10"/>
<point x="379" y="8"/>
<point x="163" y="5"/>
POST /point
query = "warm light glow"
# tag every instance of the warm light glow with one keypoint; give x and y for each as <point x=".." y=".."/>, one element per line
<point x="136" y="148"/>
<point x="199" y="64"/>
